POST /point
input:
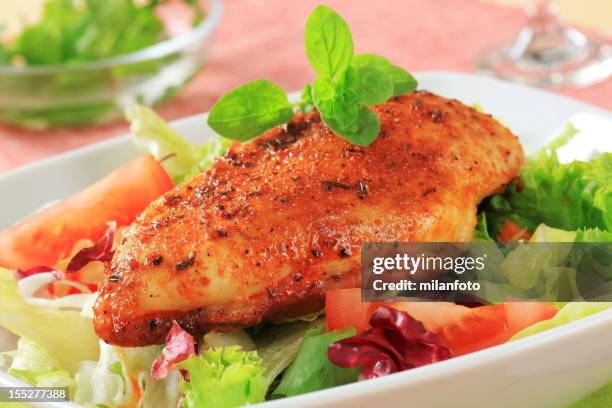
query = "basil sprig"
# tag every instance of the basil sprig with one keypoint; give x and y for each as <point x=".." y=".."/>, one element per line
<point x="345" y="86"/>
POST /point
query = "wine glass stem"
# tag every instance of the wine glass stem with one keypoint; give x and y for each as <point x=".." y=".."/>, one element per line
<point x="543" y="17"/>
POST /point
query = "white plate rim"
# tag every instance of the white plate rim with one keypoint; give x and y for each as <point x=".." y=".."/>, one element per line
<point x="412" y="377"/>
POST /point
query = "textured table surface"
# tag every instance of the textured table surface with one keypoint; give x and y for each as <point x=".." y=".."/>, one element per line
<point x="263" y="39"/>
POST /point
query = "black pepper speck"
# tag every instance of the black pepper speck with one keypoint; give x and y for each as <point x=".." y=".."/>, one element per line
<point x="184" y="264"/>
<point x="345" y="252"/>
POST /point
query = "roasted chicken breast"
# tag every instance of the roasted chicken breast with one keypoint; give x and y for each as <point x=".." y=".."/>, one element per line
<point x="275" y="222"/>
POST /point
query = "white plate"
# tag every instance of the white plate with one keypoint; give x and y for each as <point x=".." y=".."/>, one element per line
<point x="551" y="369"/>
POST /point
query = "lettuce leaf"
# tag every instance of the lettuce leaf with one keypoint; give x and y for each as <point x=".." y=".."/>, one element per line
<point x="232" y="338"/>
<point x="481" y="234"/>
<point x="555" y="271"/>
<point x="162" y="394"/>
<point x="312" y="370"/>
<point x="136" y="366"/>
<point x="50" y="328"/>
<point x="206" y="155"/>
<point x="223" y="378"/>
<point x="572" y="196"/>
<point x="122" y="377"/>
<point x="49" y="354"/>
<point x="567" y="314"/>
<point x="102" y="382"/>
<point x="593" y="235"/>
<point x="153" y="134"/>
<point x="544" y="233"/>
<point x="33" y="365"/>
<point x="182" y="159"/>
<point x="278" y="346"/>
<point x="136" y="363"/>
<point x="30" y="360"/>
<point x="525" y="267"/>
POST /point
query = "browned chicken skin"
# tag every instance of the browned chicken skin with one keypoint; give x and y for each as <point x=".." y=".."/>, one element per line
<point x="275" y="222"/>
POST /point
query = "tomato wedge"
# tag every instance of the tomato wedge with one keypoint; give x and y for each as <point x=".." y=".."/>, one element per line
<point x="344" y="308"/>
<point x="520" y="315"/>
<point x="512" y="232"/>
<point x="462" y="329"/>
<point x="49" y="235"/>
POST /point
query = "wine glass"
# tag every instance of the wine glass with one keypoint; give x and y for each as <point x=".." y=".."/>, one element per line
<point x="549" y="53"/>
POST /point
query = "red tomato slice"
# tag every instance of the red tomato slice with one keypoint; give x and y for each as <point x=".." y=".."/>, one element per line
<point x="465" y="329"/>
<point x="462" y="329"/>
<point x="344" y="308"/>
<point x="512" y="232"/>
<point x="520" y="315"/>
<point x="49" y="235"/>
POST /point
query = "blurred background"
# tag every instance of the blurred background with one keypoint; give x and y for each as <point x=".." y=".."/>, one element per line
<point x="263" y="39"/>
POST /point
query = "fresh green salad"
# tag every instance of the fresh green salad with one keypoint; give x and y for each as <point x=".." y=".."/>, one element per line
<point x="69" y="35"/>
<point x="71" y="32"/>
<point x="47" y="292"/>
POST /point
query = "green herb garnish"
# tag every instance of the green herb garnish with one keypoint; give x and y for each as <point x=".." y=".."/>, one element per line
<point x="344" y="88"/>
<point x="249" y="110"/>
<point x="329" y="43"/>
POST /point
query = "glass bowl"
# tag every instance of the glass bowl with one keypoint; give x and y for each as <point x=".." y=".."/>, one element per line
<point x="39" y="97"/>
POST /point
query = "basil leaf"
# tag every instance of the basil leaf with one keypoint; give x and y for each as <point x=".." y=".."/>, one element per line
<point x="346" y="101"/>
<point x="403" y="82"/>
<point x="349" y="82"/>
<point x="306" y="102"/>
<point x="329" y="44"/>
<point x="312" y="370"/>
<point x="375" y="86"/>
<point x="339" y="101"/>
<point x="324" y="92"/>
<point x="362" y="132"/>
<point x="250" y="110"/>
<point x="345" y="114"/>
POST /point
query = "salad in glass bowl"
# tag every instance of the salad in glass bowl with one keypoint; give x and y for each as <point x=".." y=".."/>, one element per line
<point x="84" y="62"/>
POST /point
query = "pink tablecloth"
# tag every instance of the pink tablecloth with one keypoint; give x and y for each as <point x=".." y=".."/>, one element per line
<point x="264" y="39"/>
